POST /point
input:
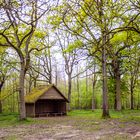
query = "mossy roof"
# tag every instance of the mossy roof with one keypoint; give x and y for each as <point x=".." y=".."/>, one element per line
<point x="34" y="95"/>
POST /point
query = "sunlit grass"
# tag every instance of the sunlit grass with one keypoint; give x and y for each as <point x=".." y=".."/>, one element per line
<point x="97" y="113"/>
<point x="7" y="119"/>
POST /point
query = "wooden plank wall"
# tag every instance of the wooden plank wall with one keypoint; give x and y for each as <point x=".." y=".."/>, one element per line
<point x="51" y="94"/>
<point x="50" y="106"/>
<point x="30" y="110"/>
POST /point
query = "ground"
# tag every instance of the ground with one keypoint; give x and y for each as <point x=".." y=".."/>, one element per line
<point x="78" y="125"/>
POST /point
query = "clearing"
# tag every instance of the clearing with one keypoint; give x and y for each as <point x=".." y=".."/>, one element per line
<point x="78" y="125"/>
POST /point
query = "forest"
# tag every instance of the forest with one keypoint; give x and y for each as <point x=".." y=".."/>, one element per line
<point x="88" y="49"/>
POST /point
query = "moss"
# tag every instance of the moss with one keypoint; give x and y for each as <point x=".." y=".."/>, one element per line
<point x="36" y="93"/>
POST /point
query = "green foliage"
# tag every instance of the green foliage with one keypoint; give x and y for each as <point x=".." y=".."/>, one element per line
<point x="85" y="20"/>
<point x="111" y="90"/>
<point x="9" y="96"/>
<point x="85" y="97"/>
<point x="119" y="38"/>
<point x="74" y="45"/>
<point x="54" y="20"/>
<point x="40" y="34"/>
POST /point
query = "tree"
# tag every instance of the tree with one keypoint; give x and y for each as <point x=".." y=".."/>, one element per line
<point x="133" y="71"/>
<point x="4" y="73"/>
<point x="18" y="23"/>
<point x="43" y="67"/>
<point x="94" y="80"/>
<point x="87" y="22"/>
<point x="65" y="43"/>
<point x="118" y="45"/>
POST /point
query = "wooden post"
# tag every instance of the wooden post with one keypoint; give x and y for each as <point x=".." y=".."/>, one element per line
<point x="34" y="111"/>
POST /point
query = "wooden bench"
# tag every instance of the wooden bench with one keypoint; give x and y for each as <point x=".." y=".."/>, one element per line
<point x="43" y="114"/>
<point x="47" y="114"/>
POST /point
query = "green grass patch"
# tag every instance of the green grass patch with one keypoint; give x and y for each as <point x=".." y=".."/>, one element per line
<point x="87" y="116"/>
<point x="11" y="119"/>
<point x="98" y="113"/>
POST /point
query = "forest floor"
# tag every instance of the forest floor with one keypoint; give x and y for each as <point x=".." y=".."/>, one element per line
<point x="78" y="125"/>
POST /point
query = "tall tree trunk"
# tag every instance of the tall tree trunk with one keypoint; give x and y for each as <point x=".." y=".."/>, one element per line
<point x="0" y="102"/>
<point x="1" y="85"/>
<point x="65" y="83"/>
<point x="132" y="97"/>
<point x="35" y="80"/>
<point x="118" y="92"/>
<point x="21" y="93"/>
<point x="69" y="91"/>
<point x="93" y="97"/>
<point x="78" y="91"/>
<point x="86" y="106"/>
<point x="115" y="103"/>
<point x="105" y="38"/>
<point x="117" y="84"/>
<point x="78" y="88"/>
<point x="56" y="75"/>
<point x="13" y="96"/>
<point x="50" y="79"/>
<point x="30" y="84"/>
<point x="105" y="107"/>
<point x="0" y="106"/>
<point x="50" y="66"/>
<point x="138" y="103"/>
<point x="93" y="87"/>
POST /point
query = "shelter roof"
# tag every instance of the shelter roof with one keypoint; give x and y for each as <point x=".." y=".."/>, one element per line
<point x="37" y="92"/>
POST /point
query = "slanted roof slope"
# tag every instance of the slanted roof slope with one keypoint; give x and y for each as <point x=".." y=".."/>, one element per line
<point x="37" y="92"/>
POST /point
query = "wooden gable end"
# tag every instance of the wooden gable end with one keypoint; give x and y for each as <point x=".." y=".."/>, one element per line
<point x="52" y="93"/>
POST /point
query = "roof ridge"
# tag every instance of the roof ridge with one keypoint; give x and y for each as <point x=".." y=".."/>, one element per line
<point x="38" y="91"/>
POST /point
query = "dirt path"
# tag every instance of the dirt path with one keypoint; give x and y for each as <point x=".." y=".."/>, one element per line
<point x="57" y="129"/>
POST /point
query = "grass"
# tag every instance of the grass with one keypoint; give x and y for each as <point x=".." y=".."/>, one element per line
<point x="8" y="119"/>
<point x="130" y="114"/>
<point x="11" y="119"/>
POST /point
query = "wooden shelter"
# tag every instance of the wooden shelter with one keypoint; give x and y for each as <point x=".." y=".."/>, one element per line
<point x="45" y="100"/>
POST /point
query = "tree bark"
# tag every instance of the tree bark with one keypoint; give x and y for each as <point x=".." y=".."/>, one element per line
<point x="117" y="84"/>
<point x="30" y="84"/>
<point x="93" y="87"/>
<point x="105" y="113"/>
<point x="1" y="85"/>
<point x="105" y="38"/>
<point x="78" y="89"/>
<point x="35" y="80"/>
<point x="56" y="75"/>
<point x="132" y="97"/>
<point x="69" y="91"/>
<point x="86" y="105"/>
<point x="118" y="91"/>
<point x="0" y="102"/>
<point x="138" y="103"/>
<point x="0" y="106"/>
<point x="50" y="66"/>
<point x="118" y="94"/>
<point x="93" y="96"/>
<point x="21" y="93"/>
